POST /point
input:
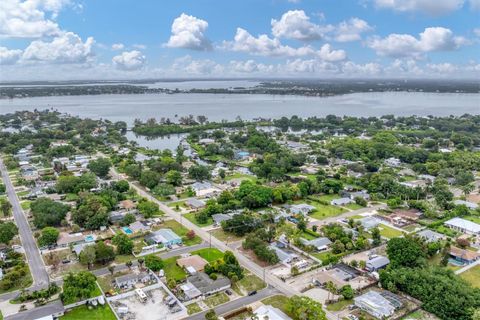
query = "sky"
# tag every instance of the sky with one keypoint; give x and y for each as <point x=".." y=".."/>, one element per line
<point x="138" y="39"/>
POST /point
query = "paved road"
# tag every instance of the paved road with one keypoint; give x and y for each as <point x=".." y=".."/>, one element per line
<point x="35" y="262"/>
<point x="242" y="259"/>
<point x="238" y="303"/>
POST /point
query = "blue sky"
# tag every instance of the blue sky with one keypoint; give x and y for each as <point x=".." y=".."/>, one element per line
<point x="127" y="39"/>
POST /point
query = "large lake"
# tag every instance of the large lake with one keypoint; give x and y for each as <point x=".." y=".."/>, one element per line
<point x="229" y="106"/>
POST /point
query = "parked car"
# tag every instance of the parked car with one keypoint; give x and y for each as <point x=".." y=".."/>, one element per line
<point x="251" y="293"/>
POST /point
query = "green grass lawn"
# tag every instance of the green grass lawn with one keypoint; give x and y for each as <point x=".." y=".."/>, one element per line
<point x="308" y="235"/>
<point x="181" y="231"/>
<point x="389" y="232"/>
<point x="25" y="204"/>
<point x="191" y="217"/>
<point x="172" y="270"/>
<point x="216" y="299"/>
<point x="473" y="219"/>
<point x="82" y="312"/>
<point x="179" y="203"/>
<point x="324" y="211"/>
<point x="123" y="258"/>
<point x="239" y="175"/>
<point x="193" y="308"/>
<point x="278" y="301"/>
<point x="249" y="283"/>
<point x="339" y="305"/>
<point x="224" y="236"/>
<point x="328" y="197"/>
<point x="209" y="254"/>
<point x="353" y="206"/>
<point x="472" y="276"/>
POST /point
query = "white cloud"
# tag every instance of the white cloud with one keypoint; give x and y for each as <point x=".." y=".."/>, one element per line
<point x="188" y="32"/>
<point x="310" y="66"/>
<point x="406" y="67"/>
<point x="431" y="7"/>
<point x="327" y="54"/>
<point x="351" y="30"/>
<point x="140" y="46"/>
<point x="189" y="66"/>
<point x="28" y="19"/>
<point x="368" y="69"/>
<point x="8" y="56"/>
<point x="129" y="60"/>
<point x="442" y="68"/>
<point x="264" y="46"/>
<point x="404" y="45"/>
<point x="65" y="48"/>
<point x="118" y="46"/>
<point x="475" y="4"/>
<point x="250" y="66"/>
<point x="295" y="24"/>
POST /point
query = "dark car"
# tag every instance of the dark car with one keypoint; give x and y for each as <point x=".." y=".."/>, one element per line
<point x="251" y="293"/>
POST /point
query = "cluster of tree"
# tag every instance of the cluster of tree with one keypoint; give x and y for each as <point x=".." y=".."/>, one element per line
<point x="123" y="243"/>
<point x="228" y="266"/>
<point x="8" y="230"/>
<point x="68" y="183"/>
<point x="342" y="240"/>
<point x="258" y="242"/>
<point x="241" y="224"/>
<point x="154" y="263"/>
<point x="148" y="208"/>
<point x="48" y="213"/>
<point x="48" y="237"/>
<point x="100" y="167"/>
<point x="5" y="207"/>
<point x="91" y="212"/>
<point x="97" y="253"/>
<point x="15" y="275"/>
<point x="40" y="296"/>
<point x="78" y="286"/>
<point x="304" y="308"/>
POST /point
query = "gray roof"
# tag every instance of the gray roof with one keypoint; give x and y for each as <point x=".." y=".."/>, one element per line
<point x="202" y="282"/>
<point x="219" y="217"/>
<point x="318" y="242"/>
<point x="430" y="236"/>
<point x="369" y="222"/>
<point x="131" y="277"/>
<point x="378" y="262"/>
<point x="467" y="225"/>
<point x="195" y="203"/>
<point x="341" y="201"/>
<point x="40" y="312"/>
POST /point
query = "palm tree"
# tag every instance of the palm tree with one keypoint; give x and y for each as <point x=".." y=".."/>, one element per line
<point x="140" y="262"/>
<point x="111" y="269"/>
<point x="128" y="264"/>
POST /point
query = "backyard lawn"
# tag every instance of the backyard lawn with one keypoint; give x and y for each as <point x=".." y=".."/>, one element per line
<point x="339" y="305"/>
<point x="209" y="254"/>
<point x="172" y="270"/>
<point x="472" y="276"/>
<point x="389" y="232"/>
<point x="191" y="217"/>
<point x="182" y="232"/>
<point x="216" y="299"/>
<point x="82" y="312"/>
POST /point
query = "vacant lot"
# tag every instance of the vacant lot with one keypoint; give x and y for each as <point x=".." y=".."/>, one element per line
<point x="279" y="302"/>
<point x="389" y="232"/>
<point x="182" y="232"/>
<point x="172" y="270"/>
<point x="82" y="312"/>
<point x="191" y="217"/>
<point x="209" y="254"/>
<point x="472" y="276"/>
<point x="216" y="299"/>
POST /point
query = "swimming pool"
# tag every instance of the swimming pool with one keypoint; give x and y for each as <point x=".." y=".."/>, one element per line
<point x="127" y="230"/>
<point x="89" y="238"/>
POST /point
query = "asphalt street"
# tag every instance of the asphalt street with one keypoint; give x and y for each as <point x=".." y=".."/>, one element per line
<point x="34" y="259"/>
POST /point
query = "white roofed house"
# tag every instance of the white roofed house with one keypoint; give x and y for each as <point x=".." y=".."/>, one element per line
<point x="341" y="201"/>
<point x="464" y="226"/>
<point x="380" y="305"/>
<point x="468" y="204"/>
<point x="195" y="204"/>
<point x="267" y="312"/>
<point x="431" y="236"/>
<point x="377" y="263"/>
<point x="204" y="189"/>
<point x="301" y="208"/>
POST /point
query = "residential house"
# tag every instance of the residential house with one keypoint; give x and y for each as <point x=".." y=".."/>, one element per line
<point x="393" y="162"/>
<point x="130" y="280"/>
<point x="267" y="312"/>
<point x="468" y="204"/>
<point x="431" y="236"/>
<point x="127" y="205"/>
<point x="464" y="226"/>
<point x="218" y="218"/>
<point x="207" y="286"/>
<point x="369" y="222"/>
<point x="67" y="239"/>
<point x="301" y="208"/>
<point x="355" y="194"/>
<point x="195" y="204"/>
<point x="463" y="256"/>
<point x="281" y="215"/>
<point x="194" y="262"/>
<point x="284" y="256"/>
<point x="320" y="244"/>
<point x="138" y="226"/>
<point x="376" y="263"/>
<point x="377" y="304"/>
<point x="204" y="189"/>
<point x="164" y="236"/>
<point x="78" y="248"/>
<point x="341" y="201"/>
